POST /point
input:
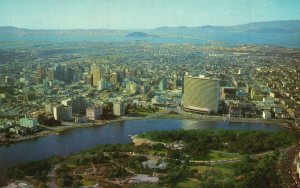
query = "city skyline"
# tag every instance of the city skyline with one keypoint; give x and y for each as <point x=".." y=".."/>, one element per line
<point x="133" y="14"/>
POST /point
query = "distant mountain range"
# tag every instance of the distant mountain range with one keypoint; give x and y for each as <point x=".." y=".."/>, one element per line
<point x="290" y="26"/>
<point x="23" y="31"/>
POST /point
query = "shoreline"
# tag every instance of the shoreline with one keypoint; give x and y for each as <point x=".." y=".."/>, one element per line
<point x="59" y="130"/>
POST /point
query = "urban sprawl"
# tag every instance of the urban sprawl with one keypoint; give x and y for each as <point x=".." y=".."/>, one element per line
<point x="47" y="86"/>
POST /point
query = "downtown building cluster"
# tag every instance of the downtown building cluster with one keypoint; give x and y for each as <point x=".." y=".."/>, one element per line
<point x="238" y="82"/>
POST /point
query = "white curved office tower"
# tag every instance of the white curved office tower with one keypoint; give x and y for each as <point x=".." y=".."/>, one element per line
<point x="201" y="94"/>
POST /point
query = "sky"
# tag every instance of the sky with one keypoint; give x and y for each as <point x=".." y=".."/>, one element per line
<point x="141" y="14"/>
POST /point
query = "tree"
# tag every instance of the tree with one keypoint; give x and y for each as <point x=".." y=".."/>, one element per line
<point x="41" y="185"/>
<point x="75" y="184"/>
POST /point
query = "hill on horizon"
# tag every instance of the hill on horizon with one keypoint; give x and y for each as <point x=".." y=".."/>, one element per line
<point x="289" y="26"/>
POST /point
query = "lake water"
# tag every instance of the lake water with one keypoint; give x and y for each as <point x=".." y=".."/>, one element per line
<point x="78" y="139"/>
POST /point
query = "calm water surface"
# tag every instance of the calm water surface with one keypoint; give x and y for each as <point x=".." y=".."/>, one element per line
<point x="79" y="139"/>
<point x="229" y="38"/>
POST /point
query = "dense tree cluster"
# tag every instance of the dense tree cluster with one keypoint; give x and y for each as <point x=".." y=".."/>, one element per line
<point x="199" y="142"/>
<point x="38" y="169"/>
<point x="43" y="120"/>
<point x="248" y="172"/>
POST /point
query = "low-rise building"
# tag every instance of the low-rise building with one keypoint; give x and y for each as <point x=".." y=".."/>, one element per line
<point x="143" y="178"/>
<point x="94" y="113"/>
<point x="266" y="114"/>
<point x="28" y="122"/>
<point x="228" y="93"/>
<point x="235" y="112"/>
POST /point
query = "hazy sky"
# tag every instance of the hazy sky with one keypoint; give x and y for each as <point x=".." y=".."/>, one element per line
<point x="141" y="14"/>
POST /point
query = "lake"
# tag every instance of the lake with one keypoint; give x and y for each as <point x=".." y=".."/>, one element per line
<point x="79" y="139"/>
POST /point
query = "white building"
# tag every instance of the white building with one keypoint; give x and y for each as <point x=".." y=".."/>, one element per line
<point x="266" y="114"/>
<point x="201" y="94"/>
<point x="28" y="122"/>
<point x="143" y="178"/>
<point x="298" y="164"/>
<point x="119" y="109"/>
<point x="94" y="113"/>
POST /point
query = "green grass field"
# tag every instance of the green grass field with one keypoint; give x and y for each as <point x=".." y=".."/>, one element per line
<point x="188" y="184"/>
<point x="220" y="155"/>
<point x="202" y="168"/>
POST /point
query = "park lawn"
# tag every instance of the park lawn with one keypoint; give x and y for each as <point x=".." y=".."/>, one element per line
<point x="224" y="170"/>
<point x="156" y="152"/>
<point x="215" y="155"/>
<point x="188" y="184"/>
<point x="202" y="168"/>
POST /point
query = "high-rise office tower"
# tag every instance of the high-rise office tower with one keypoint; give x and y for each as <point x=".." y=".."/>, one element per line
<point x="60" y="73"/>
<point x="102" y="84"/>
<point x="184" y="75"/>
<point x="201" y="94"/>
<point x="62" y="112"/>
<point x="96" y="73"/>
<point x="131" y="87"/>
<point x="94" y="113"/>
<point x="51" y="74"/>
<point x="114" y="78"/>
<point x="119" y="109"/>
<point x="40" y="72"/>
<point x="162" y="85"/>
<point x="88" y="78"/>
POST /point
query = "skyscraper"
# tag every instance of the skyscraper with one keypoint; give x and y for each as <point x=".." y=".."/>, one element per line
<point x="62" y="112"/>
<point x="201" y="94"/>
<point x="162" y="85"/>
<point x="96" y="73"/>
<point x="102" y="84"/>
<point x="51" y="74"/>
<point x="40" y="73"/>
<point x="94" y="113"/>
<point x="114" y="78"/>
<point x="119" y="109"/>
